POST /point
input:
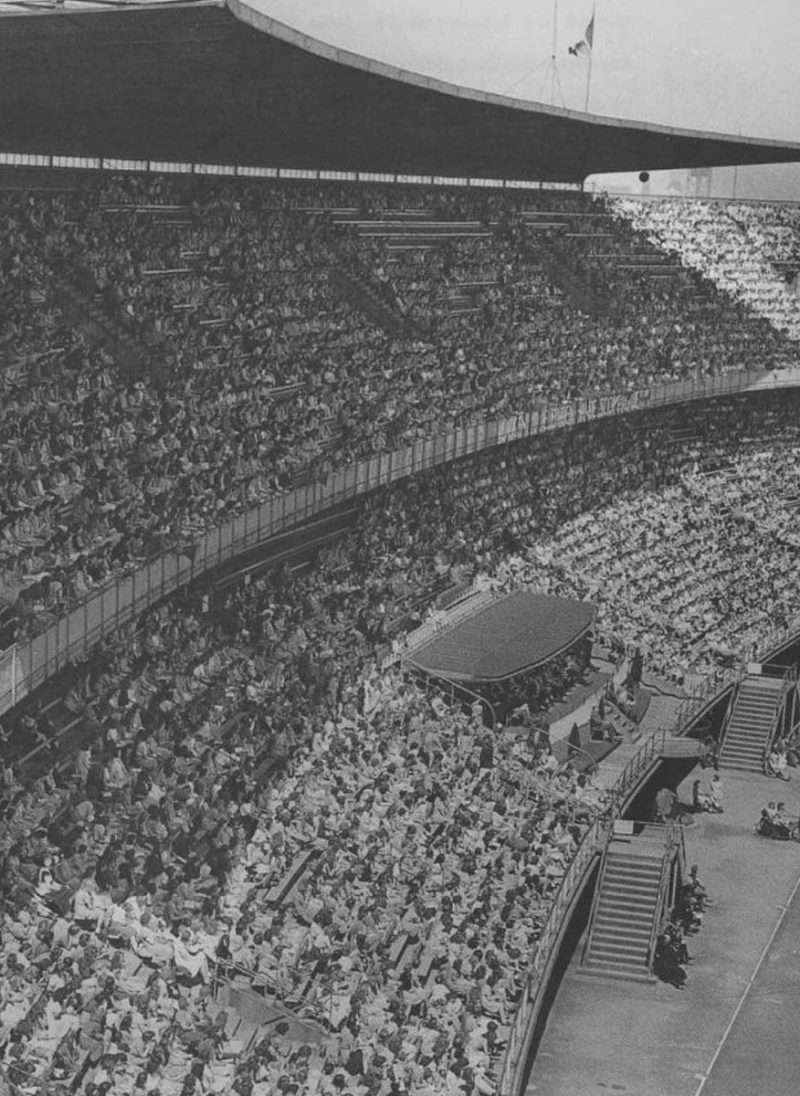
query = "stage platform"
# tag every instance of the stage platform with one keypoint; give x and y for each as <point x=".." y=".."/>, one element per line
<point x="504" y="637"/>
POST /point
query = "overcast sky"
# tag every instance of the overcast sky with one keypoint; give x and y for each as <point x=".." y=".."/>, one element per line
<point x="725" y="65"/>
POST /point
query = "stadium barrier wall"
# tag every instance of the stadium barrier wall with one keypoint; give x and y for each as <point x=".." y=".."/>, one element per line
<point x="101" y="613"/>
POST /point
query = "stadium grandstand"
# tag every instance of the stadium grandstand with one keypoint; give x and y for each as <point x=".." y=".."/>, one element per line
<point x="396" y="541"/>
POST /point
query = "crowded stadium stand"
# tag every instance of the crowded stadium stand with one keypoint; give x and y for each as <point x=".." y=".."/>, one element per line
<point x="283" y="458"/>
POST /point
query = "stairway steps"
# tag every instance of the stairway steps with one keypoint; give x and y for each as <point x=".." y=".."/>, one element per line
<point x="620" y="939"/>
<point x="633" y="870"/>
<point x="604" y="952"/>
<point x="624" y="972"/>
<point x="633" y="859"/>
<point x="629" y="914"/>
<point x="752" y="723"/>
<point x="613" y="922"/>
<point x="625" y="910"/>
<point x="633" y="887"/>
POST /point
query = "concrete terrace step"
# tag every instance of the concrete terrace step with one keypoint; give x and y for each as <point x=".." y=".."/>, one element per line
<point x="633" y="868"/>
<point x="626" y="887"/>
<point x="620" y="971"/>
<point x="611" y="922"/>
<point x="608" y="943"/>
<point x="639" y="929"/>
<point x="752" y="723"/>
<point x="626" y="906"/>
<point x="634" y="935"/>
<point x="634" y="904"/>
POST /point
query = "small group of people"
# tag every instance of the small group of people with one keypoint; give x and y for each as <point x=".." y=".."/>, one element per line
<point x="776" y="822"/>
<point x="783" y="754"/>
<point x="708" y="799"/>
<point x="672" y="954"/>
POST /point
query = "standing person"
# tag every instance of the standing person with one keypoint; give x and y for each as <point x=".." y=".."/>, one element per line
<point x="715" y="794"/>
<point x="665" y="804"/>
<point x="700" y="802"/>
<point x="83" y="763"/>
<point x="699" y="892"/>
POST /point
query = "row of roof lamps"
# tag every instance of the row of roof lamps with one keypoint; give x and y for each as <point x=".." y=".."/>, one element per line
<point x="161" y="167"/>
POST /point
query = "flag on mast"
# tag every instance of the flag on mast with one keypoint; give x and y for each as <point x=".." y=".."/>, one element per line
<point x="586" y="43"/>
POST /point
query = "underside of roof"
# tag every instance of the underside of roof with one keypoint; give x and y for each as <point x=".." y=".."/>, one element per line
<point x="224" y="84"/>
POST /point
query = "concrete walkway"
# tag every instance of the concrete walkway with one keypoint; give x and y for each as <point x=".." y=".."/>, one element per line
<point x="606" y="1036"/>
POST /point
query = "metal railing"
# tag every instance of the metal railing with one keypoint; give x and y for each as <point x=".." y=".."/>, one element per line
<point x="544" y="957"/>
<point x="674" y="845"/>
<point x="788" y="676"/>
<point x="451" y="692"/>
<point x="533" y="996"/>
<point x="106" y="609"/>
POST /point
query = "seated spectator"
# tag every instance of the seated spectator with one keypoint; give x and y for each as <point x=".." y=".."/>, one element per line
<point x="776" y="763"/>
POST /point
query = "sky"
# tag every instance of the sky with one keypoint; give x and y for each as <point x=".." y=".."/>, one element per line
<point x="728" y="66"/>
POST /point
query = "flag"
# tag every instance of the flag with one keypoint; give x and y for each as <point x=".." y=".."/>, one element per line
<point x="586" y="43"/>
<point x="589" y="35"/>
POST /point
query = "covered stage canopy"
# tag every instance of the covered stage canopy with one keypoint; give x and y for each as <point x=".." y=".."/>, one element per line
<point x="506" y="637"/>
<point x="216" y="83"/>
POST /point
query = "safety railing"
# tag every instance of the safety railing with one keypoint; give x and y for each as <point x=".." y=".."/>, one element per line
<point x="451" y="692"/>
<point x="544" y="957"/>
<point x="112" y="606"/>
<point x="655" y="928"/>
<point x="674" y="847"/>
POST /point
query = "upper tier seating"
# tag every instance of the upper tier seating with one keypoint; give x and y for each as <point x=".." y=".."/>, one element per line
<point x="732" y="245"/>
<point x="264" y="376"/>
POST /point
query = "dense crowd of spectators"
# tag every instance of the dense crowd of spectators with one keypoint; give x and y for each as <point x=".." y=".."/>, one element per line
<point x="738" y="247"/>
<point x="165" y="852"/>
<point x="496" y="297"/>
<point x="258" y="792"/>
<point x="263" y="796"/>
<point x="265" y="373"/>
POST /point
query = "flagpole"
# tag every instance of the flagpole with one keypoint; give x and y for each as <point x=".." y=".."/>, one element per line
<point x="589" y="70"/>
<point x="553" y="56"/>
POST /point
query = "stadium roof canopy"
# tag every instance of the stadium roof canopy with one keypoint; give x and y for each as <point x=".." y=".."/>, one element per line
<point x="510" y="636"/>
<point x="221" y="83"/>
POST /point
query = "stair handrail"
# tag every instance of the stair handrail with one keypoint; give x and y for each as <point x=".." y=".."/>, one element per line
<point x="533" y="993"/>
<point x="658" y="914"/>
<point x="596" y="896"/>
<point x="786" y="681"/>
<point x="595" y="838"/>
<point x="640" y="760"/>
<point x="728" y="714"/>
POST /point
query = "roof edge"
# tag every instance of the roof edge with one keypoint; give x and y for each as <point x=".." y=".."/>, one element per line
<point x="242" y="11"/>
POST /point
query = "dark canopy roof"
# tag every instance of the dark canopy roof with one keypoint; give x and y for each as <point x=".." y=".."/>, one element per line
<point x="224" y="84"/>
<point x="513" y="634"/>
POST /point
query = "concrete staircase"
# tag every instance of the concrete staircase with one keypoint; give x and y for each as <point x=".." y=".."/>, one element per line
<point x="87" y="309"/>
<point x="752" y="722"/>
<point x="359" y="290"/>
<point x="627" y="902"/>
